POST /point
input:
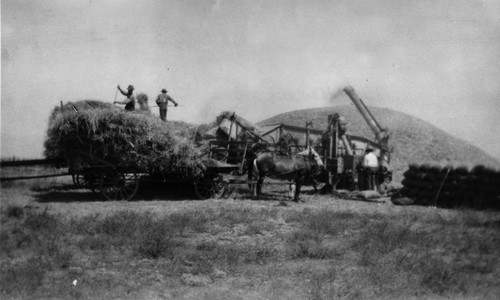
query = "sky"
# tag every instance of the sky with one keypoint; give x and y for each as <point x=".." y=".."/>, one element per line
<point x="436" y="60"/>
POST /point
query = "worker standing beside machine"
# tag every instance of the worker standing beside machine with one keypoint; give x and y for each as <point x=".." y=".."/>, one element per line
<point x="371" y="167"/>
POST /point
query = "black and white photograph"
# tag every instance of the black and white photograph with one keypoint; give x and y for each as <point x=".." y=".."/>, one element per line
<point x="250" y="149"/>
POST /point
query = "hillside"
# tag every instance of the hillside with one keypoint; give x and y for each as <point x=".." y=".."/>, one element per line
<point x="412" y="139"/>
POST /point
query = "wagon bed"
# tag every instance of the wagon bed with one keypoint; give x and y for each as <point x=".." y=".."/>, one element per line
<point x="121" y="182"/>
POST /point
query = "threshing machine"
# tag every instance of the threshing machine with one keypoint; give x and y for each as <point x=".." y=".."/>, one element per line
<point x="343" y="154"/>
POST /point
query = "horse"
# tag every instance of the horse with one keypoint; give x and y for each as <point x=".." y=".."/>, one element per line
<point x="296" y="167"/>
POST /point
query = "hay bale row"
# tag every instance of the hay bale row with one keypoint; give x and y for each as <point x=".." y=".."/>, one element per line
<point x="119" y="137"/>
<point x="452" y="186"/>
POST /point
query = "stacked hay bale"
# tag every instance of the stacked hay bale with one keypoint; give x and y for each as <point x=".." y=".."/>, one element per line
<point x="103" y="132"/>
<point x="450" y="186"/>
<point x="483" y="187"/>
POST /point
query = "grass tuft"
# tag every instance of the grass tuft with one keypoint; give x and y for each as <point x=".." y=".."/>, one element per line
<point x="42" y="221"/>
<point x="14" y="211"/>
<point x="157" y="242"/>
<point x="25" y="277"/>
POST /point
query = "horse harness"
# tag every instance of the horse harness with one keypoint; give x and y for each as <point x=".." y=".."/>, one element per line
<point x="295" y="169"/>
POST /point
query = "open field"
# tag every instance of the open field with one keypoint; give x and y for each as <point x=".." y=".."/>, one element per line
<point x="60" y="242"/>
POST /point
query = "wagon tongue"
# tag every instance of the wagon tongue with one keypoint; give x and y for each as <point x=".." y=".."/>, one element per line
<point x="219" y="165"/>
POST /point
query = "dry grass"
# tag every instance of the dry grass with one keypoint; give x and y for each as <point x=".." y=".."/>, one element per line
<point x="310" y="253"/>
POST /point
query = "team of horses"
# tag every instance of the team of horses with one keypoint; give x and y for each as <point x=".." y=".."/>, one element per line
<point x="296" y="168"/>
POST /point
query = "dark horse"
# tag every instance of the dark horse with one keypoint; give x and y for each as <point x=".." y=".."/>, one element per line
<point x="296" y="167"/>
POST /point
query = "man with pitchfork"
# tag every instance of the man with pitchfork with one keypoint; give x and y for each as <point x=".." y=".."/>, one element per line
<point x="162" y="101"/>
<point x="130" y="101"/>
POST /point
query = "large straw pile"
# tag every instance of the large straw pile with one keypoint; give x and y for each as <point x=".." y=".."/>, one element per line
<point x="119" y="137"/>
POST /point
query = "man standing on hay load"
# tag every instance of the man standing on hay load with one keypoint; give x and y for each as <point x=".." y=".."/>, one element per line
<point x="162" y="101"/>
<point x="130" y="101"/>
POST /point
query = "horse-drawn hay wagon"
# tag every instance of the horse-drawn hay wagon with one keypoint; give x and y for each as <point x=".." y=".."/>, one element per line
<point x="111" y="151"/>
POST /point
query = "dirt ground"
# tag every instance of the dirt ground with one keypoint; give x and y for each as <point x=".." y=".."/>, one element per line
<point x="59" y="197"/>
<point x="144" y="279"/>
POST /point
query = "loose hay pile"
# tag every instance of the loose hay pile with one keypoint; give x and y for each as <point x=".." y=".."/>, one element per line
<point x="103" y="132"/>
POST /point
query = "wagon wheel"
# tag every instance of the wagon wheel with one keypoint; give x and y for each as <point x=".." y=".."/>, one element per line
<point x="117" y="185"/>
<point x="86" y="180"/>
<point x="92" y="182"/>
<point x="209" y="186"/>
<point x="77" y="179"/>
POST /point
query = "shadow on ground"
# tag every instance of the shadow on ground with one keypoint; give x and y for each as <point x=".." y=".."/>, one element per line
<point x="154" y="191"/>
<point x="146" y="192"/>
<point x="275" y="193"/>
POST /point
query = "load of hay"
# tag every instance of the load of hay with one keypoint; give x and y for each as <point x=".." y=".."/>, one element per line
<point x="95" y="131"/>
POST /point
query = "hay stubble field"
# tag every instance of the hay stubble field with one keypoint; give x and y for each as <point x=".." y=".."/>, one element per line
<point x="66" y="243"/>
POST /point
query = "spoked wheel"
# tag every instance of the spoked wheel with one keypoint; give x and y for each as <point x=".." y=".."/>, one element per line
<point x="86" y="180"/>
<point x="92" y="182"/>
<point x="75" y="177"/>
<point x="209" y="186"/>
<point x="117" y="185"/>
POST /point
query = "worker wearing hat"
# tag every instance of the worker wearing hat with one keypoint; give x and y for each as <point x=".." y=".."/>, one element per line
<point x="130" y="101"/>
<point x="162" y="101"/>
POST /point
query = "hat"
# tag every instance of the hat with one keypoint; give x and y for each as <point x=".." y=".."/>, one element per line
<point x="163" y="90"/>
<point x="130" y="87"/>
